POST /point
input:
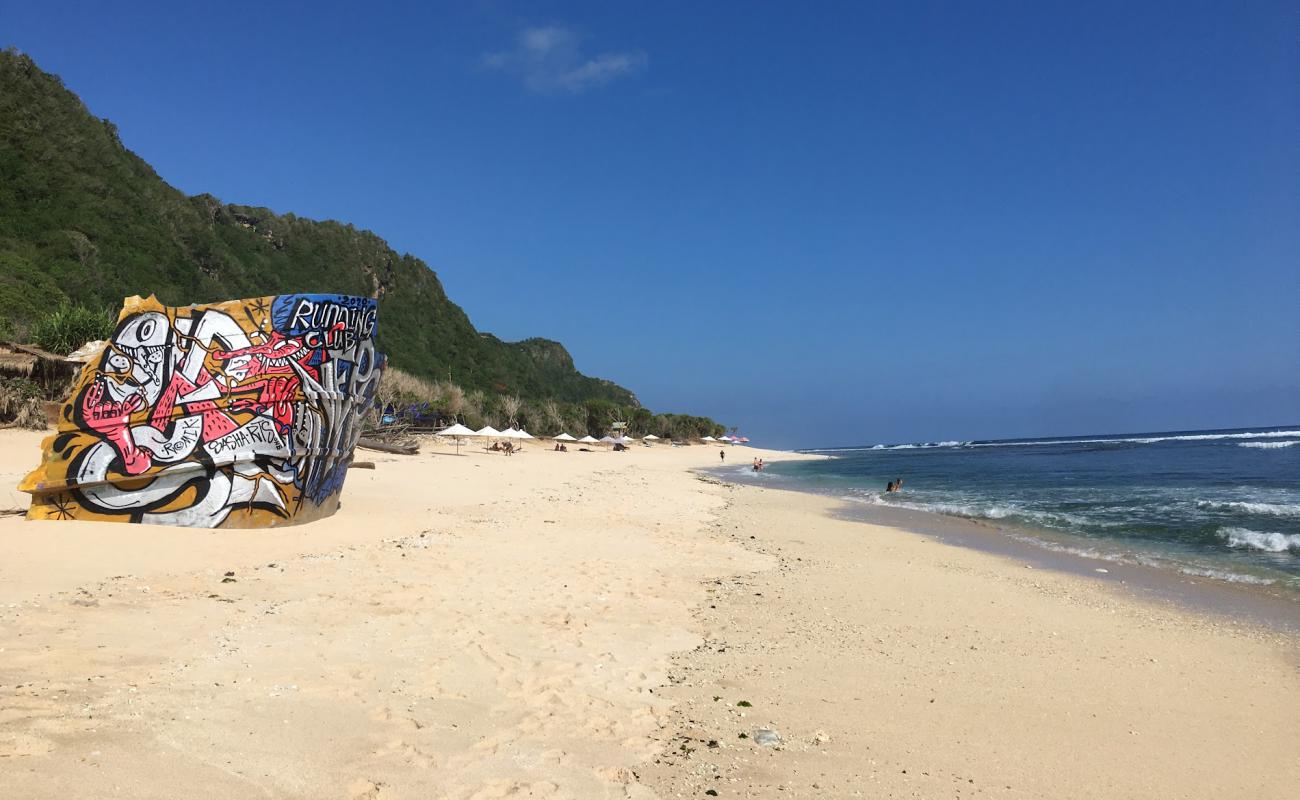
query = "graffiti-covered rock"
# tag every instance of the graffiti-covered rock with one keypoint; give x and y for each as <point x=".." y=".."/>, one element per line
<point x="241" y="414"/>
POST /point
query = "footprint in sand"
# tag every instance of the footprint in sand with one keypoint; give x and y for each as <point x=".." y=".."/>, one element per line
<point x="20" y="745"/>
<point x="365" y="789"/>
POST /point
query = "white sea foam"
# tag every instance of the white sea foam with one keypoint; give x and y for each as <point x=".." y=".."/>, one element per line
<point x="993" y="511"/>
<point x="1274" y="509"/>
<point x="1231" y="577"/>
<point x="1261" y="540"/>
<point x="1191" y="437"/>
<point x="1267" y="445"/>
<point x="1081" y="552"/>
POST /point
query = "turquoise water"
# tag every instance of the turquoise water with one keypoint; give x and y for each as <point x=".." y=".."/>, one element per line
<point x="1223" y="504"/>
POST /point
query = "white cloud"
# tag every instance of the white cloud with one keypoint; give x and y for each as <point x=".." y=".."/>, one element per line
<point x="550" y="60"/>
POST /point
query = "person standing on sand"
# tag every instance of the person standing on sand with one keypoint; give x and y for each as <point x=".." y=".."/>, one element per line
<point x="722" y="454"/>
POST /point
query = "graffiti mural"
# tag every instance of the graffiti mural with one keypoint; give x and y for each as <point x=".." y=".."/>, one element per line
<point x="240" y="414"/>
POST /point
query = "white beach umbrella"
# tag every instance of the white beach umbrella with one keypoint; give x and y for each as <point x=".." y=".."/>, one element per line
<point x="588" y="439"/>
<point x="523" y="434"/>
<point x="650" y="437"/>
<point x="456" y="432"/>
<point x="708" y="439"/>
<point x="607" y="440"/>
<point x="487" y="430"/>
<point x="512" y="433"/>
<point x="564" y="437"/>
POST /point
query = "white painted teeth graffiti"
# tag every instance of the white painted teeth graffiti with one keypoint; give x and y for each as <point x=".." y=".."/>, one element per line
<point x="238" y="414"/>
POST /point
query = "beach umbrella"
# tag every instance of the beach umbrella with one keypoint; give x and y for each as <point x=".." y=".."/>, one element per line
<point x="523" y="434"/>
<point x="607" y="440"/>
<point x="514" y="433"/>
<point x="588" y="439"/>
<point x="564" y="437"/>
<point x="487" y="430"/>
<point x="456" y="432"/>
<point x="743" y="440"/>
<point x="724" y="438"/>
<point x="650" y="437"/>
<point x="708" y="439"/>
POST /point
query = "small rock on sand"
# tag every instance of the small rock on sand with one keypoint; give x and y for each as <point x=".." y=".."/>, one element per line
<point x="767" y="737"/>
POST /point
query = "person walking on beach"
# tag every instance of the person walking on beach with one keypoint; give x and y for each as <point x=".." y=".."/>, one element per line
<point x="722" y="454"/>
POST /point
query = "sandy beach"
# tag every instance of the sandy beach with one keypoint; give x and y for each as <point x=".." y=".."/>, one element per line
<point x="604" y="625"/>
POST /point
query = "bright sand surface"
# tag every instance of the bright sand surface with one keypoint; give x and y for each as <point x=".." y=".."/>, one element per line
<point x="583" y="625"/>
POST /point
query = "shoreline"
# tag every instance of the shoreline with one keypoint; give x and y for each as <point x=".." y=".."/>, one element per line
<point x="1245" y="603"/>
<point x="471" y="626"/>
<point x="893" y="663"/>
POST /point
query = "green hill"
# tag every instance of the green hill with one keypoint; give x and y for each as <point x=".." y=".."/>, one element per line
<point x="84" y="220"/>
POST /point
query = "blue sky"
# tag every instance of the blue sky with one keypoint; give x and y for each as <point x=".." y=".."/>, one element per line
<point x="829" y="223"/>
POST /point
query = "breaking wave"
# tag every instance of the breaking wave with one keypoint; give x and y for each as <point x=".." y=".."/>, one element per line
<point x="1187" y="437"/>
<point x="1267" y="541"/>
<point x="1190" y="437"/>
<point x="1275" y="509"/>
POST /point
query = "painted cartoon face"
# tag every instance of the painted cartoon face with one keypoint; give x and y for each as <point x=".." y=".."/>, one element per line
<point x="270" y="358"/>
<point x="136" y="356"/>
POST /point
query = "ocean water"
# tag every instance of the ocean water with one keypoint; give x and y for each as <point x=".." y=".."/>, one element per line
<point x="1222" y="504"/>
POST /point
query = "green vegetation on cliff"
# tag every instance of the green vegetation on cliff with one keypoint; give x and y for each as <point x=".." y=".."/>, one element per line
<point x="85" y="221"/>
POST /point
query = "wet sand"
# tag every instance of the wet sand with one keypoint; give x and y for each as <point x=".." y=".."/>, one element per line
<point x="893" y="664"/>
<point x="1233" y="603"/>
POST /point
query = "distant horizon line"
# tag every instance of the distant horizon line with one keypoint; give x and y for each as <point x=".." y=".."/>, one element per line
<point x="1264" y="429"/>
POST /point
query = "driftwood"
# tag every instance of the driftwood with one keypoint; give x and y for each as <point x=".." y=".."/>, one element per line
<point x="361" y="465"/>
<point x="385" y="447"/>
